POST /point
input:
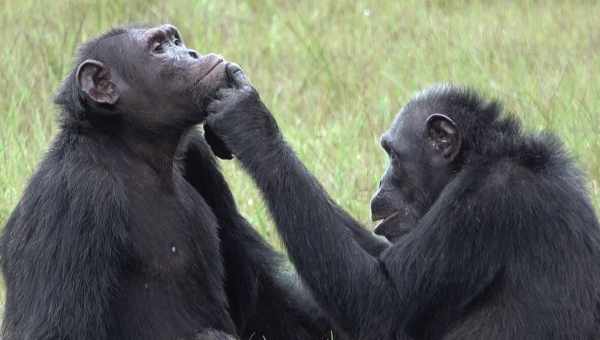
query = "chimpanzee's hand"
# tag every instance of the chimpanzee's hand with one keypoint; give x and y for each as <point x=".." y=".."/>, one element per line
<point x="239" y="118"/>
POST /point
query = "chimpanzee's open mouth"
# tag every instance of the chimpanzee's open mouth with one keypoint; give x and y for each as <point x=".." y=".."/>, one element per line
<point x="395" y="226"/>
<point x="386" y="220"/>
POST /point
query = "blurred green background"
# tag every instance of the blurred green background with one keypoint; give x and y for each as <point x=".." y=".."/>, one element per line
<point x="334" y="74"/>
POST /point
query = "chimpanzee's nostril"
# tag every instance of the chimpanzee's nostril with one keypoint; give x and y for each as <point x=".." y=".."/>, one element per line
<point x="193" y="54"/>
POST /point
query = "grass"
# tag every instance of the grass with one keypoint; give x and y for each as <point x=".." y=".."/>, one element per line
<point x="333" y="72"/>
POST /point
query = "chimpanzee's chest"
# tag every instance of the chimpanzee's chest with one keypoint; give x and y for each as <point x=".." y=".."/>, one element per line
<point x="173" y="232"/>
<point x="174" y="275"/>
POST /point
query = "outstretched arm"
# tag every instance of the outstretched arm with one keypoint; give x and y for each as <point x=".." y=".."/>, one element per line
<point x="371" y="243"/>
<point x="439" y="268"/>
<point x="266" y="298"/>
<point x="349" y="281"/>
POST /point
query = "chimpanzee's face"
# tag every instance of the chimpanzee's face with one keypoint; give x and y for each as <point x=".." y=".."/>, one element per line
<point x="422" y="147"/>
<point x="400" y="196"/>
<point x="171" y="78"/>
<point x="152" y="78"/>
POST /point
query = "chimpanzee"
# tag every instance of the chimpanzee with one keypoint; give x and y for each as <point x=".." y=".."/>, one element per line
<point x="504" y="242"/>
<point x="127" y="230"/>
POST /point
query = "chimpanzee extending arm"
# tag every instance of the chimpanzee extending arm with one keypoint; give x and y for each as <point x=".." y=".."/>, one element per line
<point x="318" y="234"/>
<point x="373" y="244"/>
<point x="495" y="212"/>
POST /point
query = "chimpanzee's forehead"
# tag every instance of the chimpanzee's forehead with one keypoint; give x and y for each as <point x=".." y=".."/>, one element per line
<point x="395" y="132"/>
<point x="141" y="35"/>
<point x="138" y="38"/>
<point x="145" y="33"/>
<point x="408" y="124"/>
<point x="399" y="121"/>
<point x="410" y="117"/>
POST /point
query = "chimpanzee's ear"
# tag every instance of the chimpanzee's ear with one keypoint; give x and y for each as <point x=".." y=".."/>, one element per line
<point x="443" y="136"/>
<point x="217" y="146"/>
<point x="94" y="79"/>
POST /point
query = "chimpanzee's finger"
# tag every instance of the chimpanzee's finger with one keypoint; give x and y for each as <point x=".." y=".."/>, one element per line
<point x="238" y="77"/>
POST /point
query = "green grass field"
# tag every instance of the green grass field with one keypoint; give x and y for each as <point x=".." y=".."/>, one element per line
<point x="333" y="72"/>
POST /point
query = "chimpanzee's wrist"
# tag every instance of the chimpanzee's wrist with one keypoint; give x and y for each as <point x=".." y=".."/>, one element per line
<point x="260" y="148"/>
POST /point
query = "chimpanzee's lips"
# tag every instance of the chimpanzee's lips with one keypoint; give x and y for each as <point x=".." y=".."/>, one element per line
<point x="394" y="227"/>
<point x="219" y="61"/>
<point x="387" y="219"/>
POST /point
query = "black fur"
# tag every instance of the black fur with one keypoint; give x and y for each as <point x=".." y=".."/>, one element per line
<point x="123" y="235"/>
<point x="510" y="249"/>
<point x="266" y="298"/>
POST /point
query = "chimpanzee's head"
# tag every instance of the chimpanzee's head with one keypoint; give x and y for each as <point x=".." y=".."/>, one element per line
<point x="429" y="142"/>
<point x="141" y="76"/>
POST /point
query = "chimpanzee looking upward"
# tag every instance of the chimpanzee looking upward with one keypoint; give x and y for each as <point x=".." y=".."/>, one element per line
<point x="505" y="243"/>
<point x="110" y="241"/>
